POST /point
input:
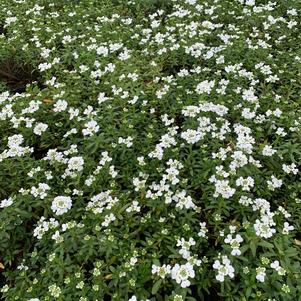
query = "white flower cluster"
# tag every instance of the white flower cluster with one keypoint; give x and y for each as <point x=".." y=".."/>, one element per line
<point x="234" y="242"/>
<point x="101" y="201"/>
<point x="263" y="227"/>
<point x="127" y="141"/>
<point x="276" y="266"/>
<point x="205" y="87"/>
<point x="292" y="168"/>
<point x="61" y="204"/>
<point x="40" y="191"/>
<point x="182" y="273"/>
<point x="181" y="198"/>
<point x="134" y="207"/>
<point x="192" y="136"/>
<point x="44" y="226"/>
<point x="91" y="128"/>
<point x="245" y="183"/>
<point x="224" y="268"/>
<point x="245" y="141"/>
<point x="161" y="271"/>
<point x="223" y="189"/>
<point x="166" y="141"/>
<point x="40" y="128"/>
<point x="6" y="202"/>
<point x="75" y="165"/>
<point x="185" y="246"/>
<point x="203" y="231"/>
<point x="108" y="219"/>
<point x="102" y="163"/>
<point x="274" y="183"/>
<point x="14" y="148"/>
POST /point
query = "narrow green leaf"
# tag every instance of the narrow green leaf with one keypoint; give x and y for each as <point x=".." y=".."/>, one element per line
<point x="156" y="286"/>
<point x="266" y="244"/>
<point x="253" y="248"/>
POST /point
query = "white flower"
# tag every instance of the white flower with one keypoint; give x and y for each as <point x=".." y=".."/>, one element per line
<point x="247" y="113"/>
<point x="222" y="188"/>
<point x="161" y="271"/>
<point x="134" y="207"/>
<point x="139" y="184"/>
<point x="54" y="290"/>
<point x="66" y="39"/>
<point x="184" y="251"/>
<point x="224" y="268"/>
<point x="268" y="151"/>
<point x="244" y="200"/>
<point x="292" y="12"/>
<point x="263" y="227"/>
<point x="40" y="128"/>
<point x="113" y="172"/>
<point x="249" y="95"/>
<point x="76" y="163"/>
<point x="127" y="141"/>
<point x="60" y="105"/>
<point x="125" y="55"/>
<point x="235" y="243"/>
<point x="40" y="191"/>
<point x="15" y="140"/>
<point x="276" y="266"/>
<point x="4" y="288"/>
<point x="102" y="97"/>
<point x="183" y="200"/>
<point x="290" y="168"/>
<point x="61" y="204"/>
<point x="203" y="231"/>
<point x="192" y="136"/>
<point x="6" y="203"/>
<point x="274" y="183"/>
<point x="44" y="66"/>
<point x="260" y="274"/>
<point x="181" y="273"/>
<point x="108" y="219"/>
<point x="43" y="226"/>
<point x="239" y="160"/>
<point x="286" y="228"/>
<point x="280" y="131"/>
<point x="250" y="2"/>
<point x="246" y="183"/>
<point x="205" y="87"/>
<point x="10" y="20"/>
<point x="191" y="111"/>
<point x="102" y="50"/>
<point x="91" y="128"/>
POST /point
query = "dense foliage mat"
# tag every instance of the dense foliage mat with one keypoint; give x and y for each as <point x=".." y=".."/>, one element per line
<point x="150" y="150"/>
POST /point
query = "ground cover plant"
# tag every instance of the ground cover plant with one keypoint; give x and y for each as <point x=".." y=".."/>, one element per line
<point x="150" y="150"/>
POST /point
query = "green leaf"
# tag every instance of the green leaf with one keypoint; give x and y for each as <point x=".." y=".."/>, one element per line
<point x="156" y="286"/>
<point x="253" y="248"/>
<point x="22" y="212"/>
<point x="291" y="252"/>
<point x="248" y="292"/>
<point x="266" y="244"/>
<point x="244" y="248"/>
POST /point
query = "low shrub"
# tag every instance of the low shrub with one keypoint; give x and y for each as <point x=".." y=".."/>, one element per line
<point x="150" y="150"/>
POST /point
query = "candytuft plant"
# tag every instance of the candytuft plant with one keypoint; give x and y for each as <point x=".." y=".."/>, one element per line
<point x="150" y="150"/>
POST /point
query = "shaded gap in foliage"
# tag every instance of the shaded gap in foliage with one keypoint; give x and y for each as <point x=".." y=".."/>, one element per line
<point x="16" y="74"/>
